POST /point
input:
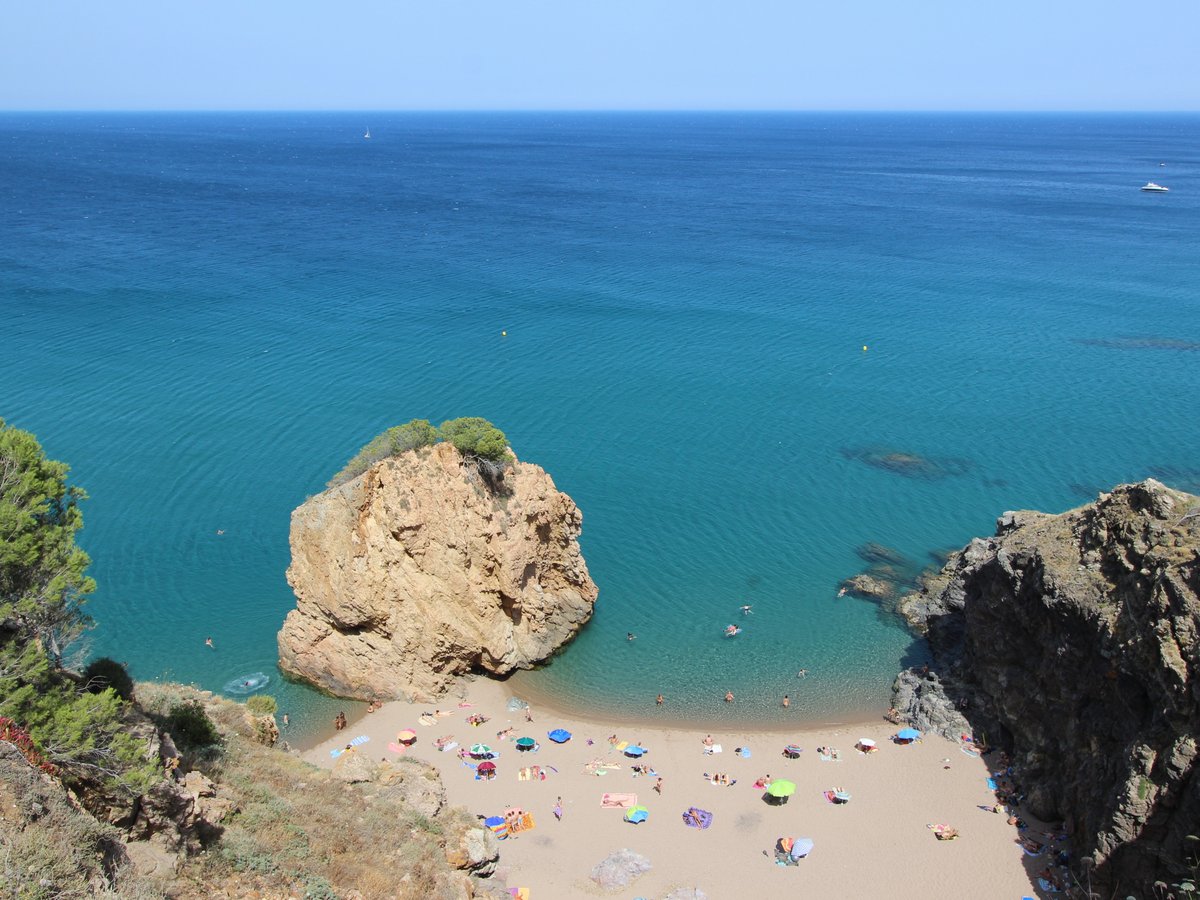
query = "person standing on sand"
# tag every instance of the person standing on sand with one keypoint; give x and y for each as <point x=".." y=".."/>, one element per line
<point x="658" y="787"/>
<point x="558" y="809"/>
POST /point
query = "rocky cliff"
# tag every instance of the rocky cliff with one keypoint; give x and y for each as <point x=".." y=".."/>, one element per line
<point x="421" y="569"/>
<point x="1073" y="641"/>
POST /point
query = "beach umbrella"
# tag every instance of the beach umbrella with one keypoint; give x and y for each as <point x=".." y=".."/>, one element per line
<point x="841" y="797"/>
<point x="525" y="743"/>
<point x="481" y="750"/>
<point x="635" y="751"/>
<point x="486" y="767"/>
<point x="637" y="815"/>
<point x="866" y="743"/>
<point x="407" y="736"/>
<point x="781" y="788"/>
<point x="792" y="751"/>
<point x="559" y="735"/>
<point x="908" y="734"/>
<point x="801" y="848"/>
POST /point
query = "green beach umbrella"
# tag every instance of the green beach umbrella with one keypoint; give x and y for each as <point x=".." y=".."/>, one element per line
<point x="781" y="788"/>
<point x="480" y="750"/>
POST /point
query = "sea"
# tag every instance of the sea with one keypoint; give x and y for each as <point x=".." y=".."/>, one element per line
<point x="749" y="345"/>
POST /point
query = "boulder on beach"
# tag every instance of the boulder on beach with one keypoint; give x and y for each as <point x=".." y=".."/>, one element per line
<point x="619" y="868"/>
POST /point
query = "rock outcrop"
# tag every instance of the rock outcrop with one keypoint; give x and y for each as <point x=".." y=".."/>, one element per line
<point x="1073" y="641"/>
<point x="420" y="570"/>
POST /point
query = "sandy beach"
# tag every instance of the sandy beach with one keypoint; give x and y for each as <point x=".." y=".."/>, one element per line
<point x="877" y="844"/>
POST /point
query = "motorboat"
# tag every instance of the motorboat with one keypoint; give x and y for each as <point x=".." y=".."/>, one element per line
<point x="1155" y="188"/>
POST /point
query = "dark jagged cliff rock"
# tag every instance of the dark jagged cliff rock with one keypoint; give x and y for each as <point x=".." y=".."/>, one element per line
<point x="419" y="570"/>
<point x="1073" y="641"/>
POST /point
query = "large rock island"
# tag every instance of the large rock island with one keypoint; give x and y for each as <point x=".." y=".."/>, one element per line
<point x="1073" y="642"/>
<point x="423" y="568"/>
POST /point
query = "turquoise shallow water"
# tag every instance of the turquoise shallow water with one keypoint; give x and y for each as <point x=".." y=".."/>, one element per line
<point x="206" y="315"/>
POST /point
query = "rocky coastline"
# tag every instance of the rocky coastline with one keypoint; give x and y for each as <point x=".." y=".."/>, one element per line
<point x="1072" y="642"/>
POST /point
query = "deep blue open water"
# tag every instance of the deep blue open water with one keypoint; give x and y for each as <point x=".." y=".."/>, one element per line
<point x="206" y="315"/>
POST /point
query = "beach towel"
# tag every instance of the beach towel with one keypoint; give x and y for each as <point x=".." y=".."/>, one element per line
<point x="427" y="720"/>
<point x="621" y="746"/>
<point x="825" y="757"/>
<point x="618" y="801"/>
<point x="396" y="748"/>
<point x="521" y="893"/>
<point x="531" y="773"/>
<point x="991" y="783"/>
<point x="697" y="818"/>
<point x="449" y="746"/>
<point x="359" y="741"/>
<point x="1048" y="887"/>
<point x="744" y="752"/>
<point x="715" y="748"/>
<point x="974" y="754"/>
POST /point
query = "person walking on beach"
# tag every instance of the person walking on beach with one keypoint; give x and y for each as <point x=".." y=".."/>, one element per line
<point x="558" y="809"/>
<point x="658" y="787"/>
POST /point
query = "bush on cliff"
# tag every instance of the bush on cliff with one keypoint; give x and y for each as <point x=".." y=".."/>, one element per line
<point x="190" y="726"/>
<point x="473" y="436"/>
<point x="108" y="673"/>
<point x="409" y="436"/>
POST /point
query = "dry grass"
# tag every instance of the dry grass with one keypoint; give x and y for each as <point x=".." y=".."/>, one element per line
<point x="300" y="832"/>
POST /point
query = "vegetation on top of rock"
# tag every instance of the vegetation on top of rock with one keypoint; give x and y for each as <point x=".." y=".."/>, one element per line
<point x="472" y="437"/>
<point x="43" y="585"/>
<point x="409" y="436"/>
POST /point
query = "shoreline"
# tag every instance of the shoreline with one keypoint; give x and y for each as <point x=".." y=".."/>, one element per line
<point x="519" y="685"/>
<point x="898" y="793"/>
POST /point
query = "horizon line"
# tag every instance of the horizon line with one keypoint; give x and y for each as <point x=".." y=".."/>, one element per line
<point x="605" y="110"/>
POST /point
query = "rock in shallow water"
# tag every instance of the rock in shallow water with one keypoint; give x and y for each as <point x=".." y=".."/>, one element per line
<point x="420" y="570"/>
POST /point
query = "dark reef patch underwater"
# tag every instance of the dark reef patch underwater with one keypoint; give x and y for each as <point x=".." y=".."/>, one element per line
<point x="909" y="464"/>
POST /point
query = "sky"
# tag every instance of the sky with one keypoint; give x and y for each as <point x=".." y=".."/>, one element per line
<point x="600" y="54"/>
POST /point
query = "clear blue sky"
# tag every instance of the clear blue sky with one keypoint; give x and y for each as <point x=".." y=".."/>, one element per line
<point x="600" y="54"/>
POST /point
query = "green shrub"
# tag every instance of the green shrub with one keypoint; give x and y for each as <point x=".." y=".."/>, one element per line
<point x="262" y="705"/>
<point x="190" y="726"/>
<point x="108" y="673"/>
<point x="409" y="436"/>
<point x="473" y="436"/>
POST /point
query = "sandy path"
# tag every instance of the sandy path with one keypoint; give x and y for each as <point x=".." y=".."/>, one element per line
<point x="877" y="845"/>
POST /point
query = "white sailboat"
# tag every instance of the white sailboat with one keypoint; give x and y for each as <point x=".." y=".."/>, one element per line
<point x="367" y="136"/>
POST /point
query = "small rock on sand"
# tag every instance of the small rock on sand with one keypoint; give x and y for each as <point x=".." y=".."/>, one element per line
<point x="619" y="868"/>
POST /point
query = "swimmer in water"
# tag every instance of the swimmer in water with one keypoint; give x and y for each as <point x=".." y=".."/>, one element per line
<point x="220" y="531"/>
<point x="842" y="592"/>
<point x="729" y="696"/>
<point x="208" y="643"/>
<point x="746" y="610"/>
<point x="803" y="673"/>
<point x="629" y="635"/>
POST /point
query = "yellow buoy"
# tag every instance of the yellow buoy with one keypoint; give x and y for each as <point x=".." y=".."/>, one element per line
<point x="864" y="347"/>
<point x="505" y="334"/>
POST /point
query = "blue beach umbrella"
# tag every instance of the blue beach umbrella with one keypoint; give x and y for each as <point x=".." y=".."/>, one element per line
<point x="637" y="815"/>
<point x="559" y="735"/>
<point x="635" y="751"/>
<point x="908" y="734"/>
<point x="801" y="848"/>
